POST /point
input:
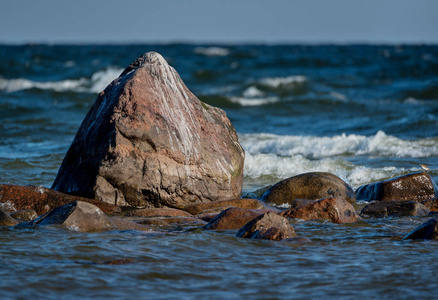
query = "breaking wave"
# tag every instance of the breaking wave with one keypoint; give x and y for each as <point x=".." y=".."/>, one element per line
<point x="313" y="147"/>
<point x="95" y="84"/>
<point x="212" y="51"/>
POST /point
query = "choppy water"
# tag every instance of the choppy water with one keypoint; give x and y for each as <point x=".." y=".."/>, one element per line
<point x="364" y="113"/>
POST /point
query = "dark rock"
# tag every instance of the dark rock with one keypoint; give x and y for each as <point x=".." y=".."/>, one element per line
<point x="6" y="219"/>
<point x="268" y="226"/>
<point x="312" y="186"/>
<point x="427" y="231"/>
<point x="76" y="215"/>
<point x="332" y="209"/>
<point x="149" y="142"/>
<point x="25" y="215"/>
<point x="394" y="209"/>
<point x="233" y="218"/>
<point x="431" y="204"/>
<point x="158" y="212"/>
<point x="218" y="206"/>
<point x="411" y="187"/>
<point x="42" y="199"/>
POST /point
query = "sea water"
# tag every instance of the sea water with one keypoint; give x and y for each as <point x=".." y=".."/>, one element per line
<point x="362" y="112"/>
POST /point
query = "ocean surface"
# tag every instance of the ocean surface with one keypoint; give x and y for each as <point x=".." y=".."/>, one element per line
<point x="362" y="112"/>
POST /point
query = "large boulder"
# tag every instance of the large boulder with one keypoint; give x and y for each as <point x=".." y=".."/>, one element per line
<point x="417" y="186"/>
<point x="268" y="226"/>
<point x="77" y="216"/>
<point x="336" y="210"/>
<point x="382" y="209"/>
<point x="149" y="142"/>
<point x="312" y="186"/>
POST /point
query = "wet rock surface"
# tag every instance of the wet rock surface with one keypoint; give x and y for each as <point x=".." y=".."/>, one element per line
<point x="431" y="204"/>
<point x="427" y="231"/>
<point x="312" y="186"/>
<point x="25" y="215"/>
<point x="332" y="209"/>
<point x="411" y="187"/>
<point x="42" y="199"/>
<point x="268" y="226"/>
<point x="394" y="209"/>
<point x="6" y="219"/>
<point x="77" y="216"/>
<point x="233" y="218"/>
<point x="218" y="206"/>
<point x="149" y="142"/>
<point x="157" y="212"/>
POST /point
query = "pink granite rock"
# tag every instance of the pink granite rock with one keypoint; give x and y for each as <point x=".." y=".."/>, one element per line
<point x="149" y="142"/>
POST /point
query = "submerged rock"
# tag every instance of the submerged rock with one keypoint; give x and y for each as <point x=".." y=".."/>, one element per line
<point x="149" y="142"/>
<point x="76" y="215"/>
<point x="394" y="209"/>
<point x="218" y="206"/>
<point x="42" y="199"/>
<point x="428" y="231"/>
<point x="158" y="212"/>
<point x="268" y="226"/>
<point x="335" y="210"/>
<point x="312" y="186"/>
<point x="6" y="219"/>
<point x="233" y="218"/>
<point x="411" y="187"/>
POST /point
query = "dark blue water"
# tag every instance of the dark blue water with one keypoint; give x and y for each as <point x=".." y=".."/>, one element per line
<point x="362" y="112"/>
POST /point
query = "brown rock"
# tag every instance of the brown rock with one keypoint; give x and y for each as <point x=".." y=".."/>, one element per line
<point x="431" y="204"/>
<point x="411" y="187"/>
<point x="25" y="215"/>
<point x="124" y="224"/>
<point x="394" y="209"/>
<point x="207" y="217"/>
<point x="427" y="231"/>
<point x="158" y="212"/>
<point x="219" y="206"/>
<point x="149" y="142"/>
<point x="233" y="218"/>
<point x="312" y="186"/>
<point x="169" y="222"/>
<point x="42" y="199"/>
<point x="268" y="226"/>
<point x="6" y="219"/>
<point x="332" y="209"/>
<point x="76" y="215"/>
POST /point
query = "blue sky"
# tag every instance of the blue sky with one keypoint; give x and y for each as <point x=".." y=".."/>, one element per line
<point x="270" y="21"/>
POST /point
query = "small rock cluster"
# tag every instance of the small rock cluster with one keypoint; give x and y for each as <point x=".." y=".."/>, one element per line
<point x="151" y="156"/>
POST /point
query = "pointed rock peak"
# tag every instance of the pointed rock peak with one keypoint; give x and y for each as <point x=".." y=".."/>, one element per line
<point x="149" y="58"/>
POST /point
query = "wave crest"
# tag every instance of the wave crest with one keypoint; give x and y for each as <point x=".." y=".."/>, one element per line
<point x="95" y="84"/>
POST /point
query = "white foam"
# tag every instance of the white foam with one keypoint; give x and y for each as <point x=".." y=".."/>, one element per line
<point x="379" y="144"/>
<point x="276" y="82"/>
<point x="212" y="51"/>
<point x="253" y="101"/>
<point x="252" y="92"/>
<point x="95" y="84"/>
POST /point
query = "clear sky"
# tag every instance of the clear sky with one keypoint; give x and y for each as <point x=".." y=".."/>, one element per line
<point x="270" y="21"/>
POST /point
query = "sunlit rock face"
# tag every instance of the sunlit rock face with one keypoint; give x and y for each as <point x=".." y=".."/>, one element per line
<point x="148" y="141"/>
